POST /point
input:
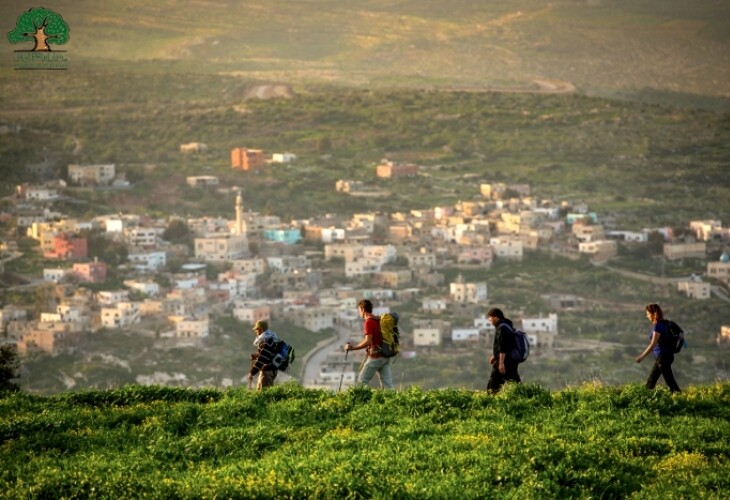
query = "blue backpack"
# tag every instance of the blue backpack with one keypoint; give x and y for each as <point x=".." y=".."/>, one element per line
<point x="284" y="356"/>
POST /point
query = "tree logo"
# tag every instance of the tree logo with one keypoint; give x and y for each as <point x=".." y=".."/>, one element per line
<point x="44" y="28"/>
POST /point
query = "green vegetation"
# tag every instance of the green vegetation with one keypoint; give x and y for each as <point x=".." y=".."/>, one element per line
<point x="565" y="146"/>
<point x="9" y="364"/>
<point x="288" y="442"/>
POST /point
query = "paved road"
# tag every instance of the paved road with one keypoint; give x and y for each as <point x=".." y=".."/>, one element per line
<point x="315" y="361"/>
<point x="716" y="290"/>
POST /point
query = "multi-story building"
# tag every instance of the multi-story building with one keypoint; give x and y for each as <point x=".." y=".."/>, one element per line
<point x="86" y="175"/>
<point x="91" y="272"/>
<point x="67" y="247"/>
<point x="429" y="333"/>
<point x="122" y="315"/>
<point x="599" y="250"/>
<point x="146" y="237"/>
<point x="109" y="297"/>
<point x="192" y="328"/>
<point x="720" y="270"/>
<point x="147" y="260"/>
<point x="676" y="251"/>
<point x="695" y="288"/>
<point x="250" y="312"/>
<point x="507" y="247"/>
<point x="51" y="338"/>
<point x="462" y="292"/>
<point x="221" y="247"/>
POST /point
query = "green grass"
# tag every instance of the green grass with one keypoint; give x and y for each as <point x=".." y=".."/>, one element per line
<point x="288" y="442"/>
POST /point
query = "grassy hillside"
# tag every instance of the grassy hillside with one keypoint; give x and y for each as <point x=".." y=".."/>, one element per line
<point x="597" y="45"/>
<point x="587" y="442"/>
<point x="624" y="157"/>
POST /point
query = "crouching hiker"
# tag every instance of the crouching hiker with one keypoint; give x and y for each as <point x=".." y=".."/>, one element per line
<point x="265" y="342"/>
<point x="504" y="367"/>
<point x="375" y="361"/>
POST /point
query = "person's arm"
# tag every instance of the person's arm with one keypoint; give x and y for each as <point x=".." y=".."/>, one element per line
<point x="368" y="330"/>
<point x="654" y="341"/>
<point x="363" y="344"/>
<point x="265" y="356"/>
<point x="501" y="346"/>
<point x="501" y="366"/>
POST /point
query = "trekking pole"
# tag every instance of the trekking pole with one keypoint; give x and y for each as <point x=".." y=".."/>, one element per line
<point x="251" y="362"/>
<point x="344" y="367"/>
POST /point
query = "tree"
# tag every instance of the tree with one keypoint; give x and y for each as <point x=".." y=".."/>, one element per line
<point x="8" y="368"/>
<point x="42" y="26"/>
<point x="177" y="231"/>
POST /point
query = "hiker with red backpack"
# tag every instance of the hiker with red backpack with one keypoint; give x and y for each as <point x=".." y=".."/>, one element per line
<point x="504" y="363"/>
<point x="663" y="344"/>
<point x="375" y="362"/>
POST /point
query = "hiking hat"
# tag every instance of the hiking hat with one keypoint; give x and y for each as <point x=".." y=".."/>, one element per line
<point x="263" y="324"/>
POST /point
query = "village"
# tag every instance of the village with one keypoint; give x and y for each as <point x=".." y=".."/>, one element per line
<point x="309" y="272"/>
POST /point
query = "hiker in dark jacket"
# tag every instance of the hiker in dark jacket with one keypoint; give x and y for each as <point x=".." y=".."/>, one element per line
<point x="266" y="343"/>
<point x="663" y="350"/>
<point x="503" y="367"/>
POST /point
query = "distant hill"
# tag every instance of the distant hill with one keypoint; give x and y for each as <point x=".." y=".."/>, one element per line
<point x="599" y="46"/>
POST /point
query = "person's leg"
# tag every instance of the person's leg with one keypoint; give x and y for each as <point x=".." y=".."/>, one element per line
<point x="653" y="375"/>
<point x="496" y="380"/>
<point x="386" y="374"/>
<point x="369" y="369"/>
<point x="266" y="379"/>
<point x="665" y="365"/>
<point x="512" y="373"/>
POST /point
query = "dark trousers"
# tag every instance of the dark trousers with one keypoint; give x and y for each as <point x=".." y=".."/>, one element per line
<point x="663" y="366"/>
<point x="497" y="380"/>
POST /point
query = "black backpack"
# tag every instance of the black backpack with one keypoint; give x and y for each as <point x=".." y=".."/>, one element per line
<point x="521" y="351"/>
<point x="284" y="356"/>
<point x="675" y="338"/>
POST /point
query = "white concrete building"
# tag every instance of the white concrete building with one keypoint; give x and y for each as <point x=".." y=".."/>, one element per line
<point x="467" y="293"/>
<point x="122" y="315"/>
<point x="149" y="288"/>
<point x="110" y="297"/>
<point x="695" y="289"/>
<point x="56" y="275"/>
<point x="464" y="334"/>
<point x="434" y="305"/>
<point x="192" y="328"/>
<point x="541" y="324"/>
<point x="507" y="248"/>
<point x="283" y="157"/>
<point x="147" y="260"/>
<point x="427" y="336"/>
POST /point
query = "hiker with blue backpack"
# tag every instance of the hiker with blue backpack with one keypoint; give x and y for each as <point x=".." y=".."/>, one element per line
<point x="376" y="361"/>
<point x="505" y="351"/>
<point x="266" y="343"/>
<point x="664" y="341"/>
